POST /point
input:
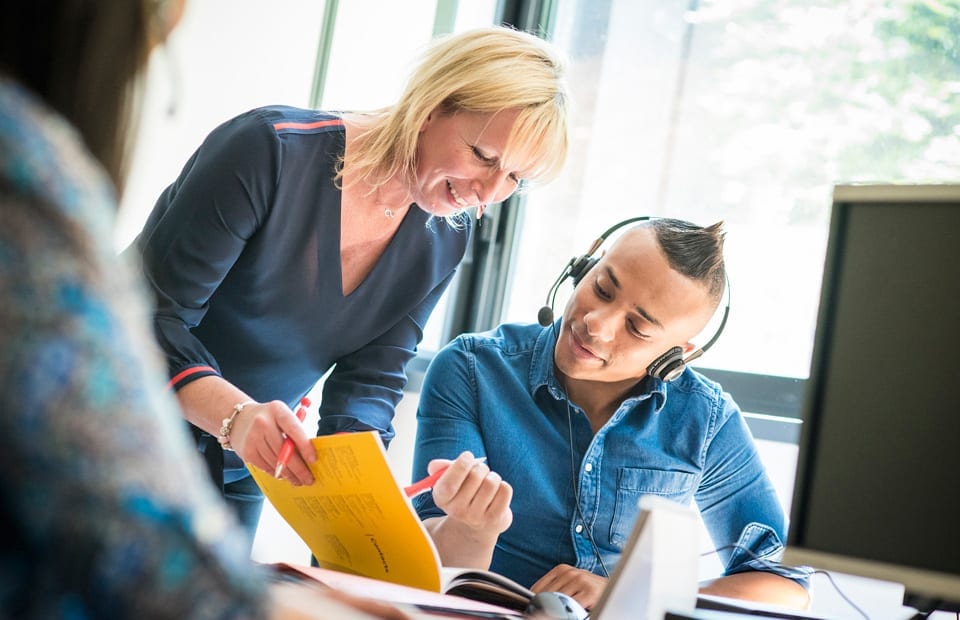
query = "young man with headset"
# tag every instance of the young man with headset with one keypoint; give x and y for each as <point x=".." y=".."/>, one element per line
<point x="578" y="418"/>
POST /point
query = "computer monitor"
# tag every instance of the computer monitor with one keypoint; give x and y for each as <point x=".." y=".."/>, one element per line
<point x="877" y="491"/>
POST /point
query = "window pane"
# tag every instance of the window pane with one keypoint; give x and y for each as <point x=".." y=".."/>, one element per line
<point x="749" y="112"/>
<point x="370" y="58"/>
<point x="224" y="58"/>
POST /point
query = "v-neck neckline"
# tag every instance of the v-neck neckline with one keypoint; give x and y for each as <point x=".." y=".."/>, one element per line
<point x="385" y="256"/>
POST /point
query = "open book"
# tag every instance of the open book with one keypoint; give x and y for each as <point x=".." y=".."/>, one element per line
<point x="356" y="519"/>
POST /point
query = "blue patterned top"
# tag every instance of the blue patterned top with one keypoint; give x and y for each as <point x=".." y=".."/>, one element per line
<point x="106" y="509"/>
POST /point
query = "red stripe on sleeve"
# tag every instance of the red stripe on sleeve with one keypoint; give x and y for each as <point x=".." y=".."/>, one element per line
<point x="183" y="374"/>
<point x="314" y="125"/>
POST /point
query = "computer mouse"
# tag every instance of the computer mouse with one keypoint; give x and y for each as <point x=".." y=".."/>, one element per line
<point x="555" y="606"/>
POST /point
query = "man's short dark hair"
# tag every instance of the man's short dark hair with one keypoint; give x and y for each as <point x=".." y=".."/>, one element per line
<point x="694" y="251"/>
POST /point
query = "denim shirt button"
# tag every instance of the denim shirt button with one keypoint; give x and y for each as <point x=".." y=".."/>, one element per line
<point x="578" y="529"/>
<point x="588" y="467"/>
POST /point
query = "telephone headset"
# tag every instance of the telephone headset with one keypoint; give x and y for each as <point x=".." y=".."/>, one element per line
<point x="666" y="367"/>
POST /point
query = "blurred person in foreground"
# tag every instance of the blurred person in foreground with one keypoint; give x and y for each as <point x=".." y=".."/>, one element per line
<point x="105" y="511"/>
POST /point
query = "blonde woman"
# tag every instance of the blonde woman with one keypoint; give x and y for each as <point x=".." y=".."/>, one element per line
<point x="295" y="241"/>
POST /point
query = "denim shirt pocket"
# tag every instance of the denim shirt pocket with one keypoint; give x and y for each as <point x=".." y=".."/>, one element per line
<point x="632" y="482"/>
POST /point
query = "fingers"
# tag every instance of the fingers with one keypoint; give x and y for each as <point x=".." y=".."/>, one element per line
<point x="260" y="436"/>
<point x="293" y="428"/>
<point x="469" y="492"/>
<point x="585" y="587"/>
<point x="437" y="464"/>
<point x="545" y="583"/>
<point x="460" y="481"/>
<point x="296" y="469"/>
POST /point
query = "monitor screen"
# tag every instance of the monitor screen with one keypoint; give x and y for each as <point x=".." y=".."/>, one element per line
<point x="877" y="492"/>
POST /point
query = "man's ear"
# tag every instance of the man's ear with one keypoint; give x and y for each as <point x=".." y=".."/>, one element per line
<point x="688" y="347"/>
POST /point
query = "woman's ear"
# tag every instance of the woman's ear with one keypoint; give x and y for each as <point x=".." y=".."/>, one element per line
<point x="426" y="121"/>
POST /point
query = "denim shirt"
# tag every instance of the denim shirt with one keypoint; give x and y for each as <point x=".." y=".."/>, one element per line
<point x="496" y="395"/>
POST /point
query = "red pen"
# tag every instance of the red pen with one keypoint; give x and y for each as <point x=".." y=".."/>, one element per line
<point x="286" y="450"/>
<point x="427" y="483"/>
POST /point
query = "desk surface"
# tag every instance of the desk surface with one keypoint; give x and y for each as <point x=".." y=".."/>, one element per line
<point x="879" y="600"/>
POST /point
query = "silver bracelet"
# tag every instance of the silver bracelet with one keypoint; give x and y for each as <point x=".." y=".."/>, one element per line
<point x="227" y="425"/>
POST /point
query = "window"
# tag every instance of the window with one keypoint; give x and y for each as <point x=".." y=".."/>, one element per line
<point x="223" y="59"/>
<point x="747" y="112"/>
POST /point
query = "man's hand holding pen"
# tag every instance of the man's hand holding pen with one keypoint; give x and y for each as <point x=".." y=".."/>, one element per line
<point x="473" y="495"/>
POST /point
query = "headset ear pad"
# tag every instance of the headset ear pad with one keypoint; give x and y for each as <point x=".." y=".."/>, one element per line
<point x="580" y="268"/>
<point x="668" y="366"/>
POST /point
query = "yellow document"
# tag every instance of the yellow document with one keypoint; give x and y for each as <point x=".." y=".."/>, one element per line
<point x="355" y="518"/>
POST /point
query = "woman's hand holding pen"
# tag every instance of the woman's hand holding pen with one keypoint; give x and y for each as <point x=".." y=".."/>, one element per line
<point x="258" y="436"/>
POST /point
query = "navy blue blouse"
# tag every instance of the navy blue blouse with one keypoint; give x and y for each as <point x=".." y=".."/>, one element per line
<point x="243" y="253"/>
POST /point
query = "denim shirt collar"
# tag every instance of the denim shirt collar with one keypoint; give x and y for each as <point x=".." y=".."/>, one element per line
<point x="542" y="374"/>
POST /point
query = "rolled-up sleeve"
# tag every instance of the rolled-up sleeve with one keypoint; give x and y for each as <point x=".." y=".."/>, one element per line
<point x="446" y="417"/>
<point x="739" y="504"/>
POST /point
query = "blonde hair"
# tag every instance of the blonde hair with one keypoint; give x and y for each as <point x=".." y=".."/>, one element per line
<point x="484" y="70"/>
